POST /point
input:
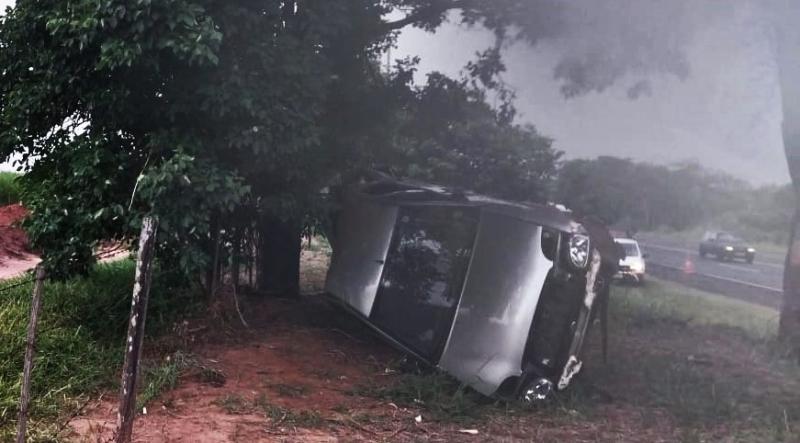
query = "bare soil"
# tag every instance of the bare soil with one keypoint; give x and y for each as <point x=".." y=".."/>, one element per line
<point x="15" y="256"/>
<point x="305" y="371"/>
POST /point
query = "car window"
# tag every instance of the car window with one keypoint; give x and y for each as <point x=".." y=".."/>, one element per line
<point x="631" y="249"/>
<point x="724" y="236"/>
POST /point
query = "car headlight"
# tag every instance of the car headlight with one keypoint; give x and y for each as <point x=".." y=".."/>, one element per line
<point x="729" y="248"/>
<point x="751" y="250"/>
<point x="637" y="267"/>
<point x="579" y="249"/>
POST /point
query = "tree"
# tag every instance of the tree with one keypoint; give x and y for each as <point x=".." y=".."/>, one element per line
<point x="220" y="118"/>
<point x="446" y="133"/>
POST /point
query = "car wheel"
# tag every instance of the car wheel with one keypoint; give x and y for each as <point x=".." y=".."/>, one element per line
<point x="750" y="259"/>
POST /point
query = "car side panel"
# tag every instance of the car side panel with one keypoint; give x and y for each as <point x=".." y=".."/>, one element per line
<point x="501" y="293"/>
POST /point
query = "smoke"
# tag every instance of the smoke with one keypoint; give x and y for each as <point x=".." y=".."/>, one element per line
<point x="663" y="81"/>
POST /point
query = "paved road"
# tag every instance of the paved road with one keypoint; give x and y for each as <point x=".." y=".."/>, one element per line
<point x="738" y="279"/>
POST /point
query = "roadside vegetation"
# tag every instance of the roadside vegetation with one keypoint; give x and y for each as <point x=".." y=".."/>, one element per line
<point x="684" y="365"/>
<point x="681" y="200"/>
<point x="687" y="365"/>
<point x="79" y="342"/>
<point x="10" y="189"/>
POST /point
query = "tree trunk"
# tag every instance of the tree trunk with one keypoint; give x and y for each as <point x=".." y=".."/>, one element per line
<point x="788" y="41"/>
<point x="789" y="330"/>
<point x="279" y="243"/>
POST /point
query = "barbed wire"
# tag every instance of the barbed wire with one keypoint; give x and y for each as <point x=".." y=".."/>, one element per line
<point x="17" y="285"/>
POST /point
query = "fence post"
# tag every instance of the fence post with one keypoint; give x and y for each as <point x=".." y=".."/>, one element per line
<point x="133" y="344"/>
<point x="30" y="351"/>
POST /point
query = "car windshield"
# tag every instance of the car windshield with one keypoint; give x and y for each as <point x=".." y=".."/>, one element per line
<point x="724" y="236"/>
<point x="631" y="249"/>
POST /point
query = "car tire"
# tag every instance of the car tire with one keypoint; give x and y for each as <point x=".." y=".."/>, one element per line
<point x="750" y="259"/>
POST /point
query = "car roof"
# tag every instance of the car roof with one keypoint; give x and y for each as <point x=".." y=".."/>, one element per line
<point x="626" y="240"/>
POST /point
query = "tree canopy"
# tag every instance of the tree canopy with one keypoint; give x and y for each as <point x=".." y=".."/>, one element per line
<point x="216" y="116"/>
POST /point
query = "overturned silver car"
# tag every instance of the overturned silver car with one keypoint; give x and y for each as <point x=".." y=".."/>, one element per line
<point x="498" y="294"/>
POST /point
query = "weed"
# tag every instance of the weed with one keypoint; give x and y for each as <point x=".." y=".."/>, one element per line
<point x="233" y="404"/>
<point x="163" y="377"/>
<point x="439" y="394"/>
<point x="212" y="376"/>
<point x="279" y="415"/>
<point x="285" y="390"/>
<point x="79" y="344"/>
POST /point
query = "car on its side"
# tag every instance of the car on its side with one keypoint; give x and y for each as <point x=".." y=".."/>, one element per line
<point x="633" y="266"/>
<point x="498" y="294"/>
<point x="726" y="247"/>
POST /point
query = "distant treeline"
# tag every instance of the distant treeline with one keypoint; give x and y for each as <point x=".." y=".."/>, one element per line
<point x="644" y="196"/>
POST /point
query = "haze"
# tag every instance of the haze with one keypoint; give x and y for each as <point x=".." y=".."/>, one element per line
<point x="664" y="82"/>
<point x="690" y="81"/>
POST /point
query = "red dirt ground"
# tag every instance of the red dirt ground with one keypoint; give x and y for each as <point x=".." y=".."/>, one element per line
<point x="302" y="357"/>
<point x="304" y="370"/>
<point x="13" y="241"/>
<point x="15" y="257"/>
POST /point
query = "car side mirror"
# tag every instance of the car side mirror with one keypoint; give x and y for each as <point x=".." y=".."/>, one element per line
<point x="645" y="255"/>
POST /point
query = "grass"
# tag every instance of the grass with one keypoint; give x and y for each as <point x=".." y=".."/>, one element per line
<point x="442" y="397"/>
<point x="162" y="377"/>
<point x="712" y="363"/>
<point x="79" y="343"/>
<point x="279" y="415"/>
<point x="10" y="191"/>
<point x="233" y="404"/>
<point x="670" y="301"/>
<point x="704" y="361"/>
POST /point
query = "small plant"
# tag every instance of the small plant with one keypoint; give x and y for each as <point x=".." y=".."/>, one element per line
<point x="439" y="394"/>
<point x="294" y="391"/>
<point x="278" y="415"/>
<point x="233" y="404"/>
<point x="163" y="377"/>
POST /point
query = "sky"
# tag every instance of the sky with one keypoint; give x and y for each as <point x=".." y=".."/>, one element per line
<point x="724" y="112"/>
<point x="706" y="72"/>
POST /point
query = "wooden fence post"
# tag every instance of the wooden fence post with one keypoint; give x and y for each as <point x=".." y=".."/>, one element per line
<point x="30" y="351"/>
<point x="133" y="344"/>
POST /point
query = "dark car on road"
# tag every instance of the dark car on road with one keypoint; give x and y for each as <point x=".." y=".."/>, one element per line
<point x="725" y="246"/>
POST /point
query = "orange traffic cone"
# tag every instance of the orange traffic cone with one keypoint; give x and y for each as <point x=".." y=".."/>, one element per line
<point x="688" y="265"/>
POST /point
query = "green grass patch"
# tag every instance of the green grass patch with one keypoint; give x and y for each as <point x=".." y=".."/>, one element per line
<point x="10" y="190"/>
<point x="712" y="362"/>
<point x="665" y="300"/>
<point x="79" y="343"/>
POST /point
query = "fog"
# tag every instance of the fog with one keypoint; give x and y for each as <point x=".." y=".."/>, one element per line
<point x="651" y="80"/>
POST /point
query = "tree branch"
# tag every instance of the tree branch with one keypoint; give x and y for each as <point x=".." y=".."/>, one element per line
<point x="426" y="13"/>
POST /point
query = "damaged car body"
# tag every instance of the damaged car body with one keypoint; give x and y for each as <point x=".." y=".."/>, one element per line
<point x="498" y="294"/>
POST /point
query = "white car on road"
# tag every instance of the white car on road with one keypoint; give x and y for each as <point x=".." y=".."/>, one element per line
<point x="633" y="266"/>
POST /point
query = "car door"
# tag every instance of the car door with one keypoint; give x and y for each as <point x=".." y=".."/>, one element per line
<point x="424" y="275"/>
